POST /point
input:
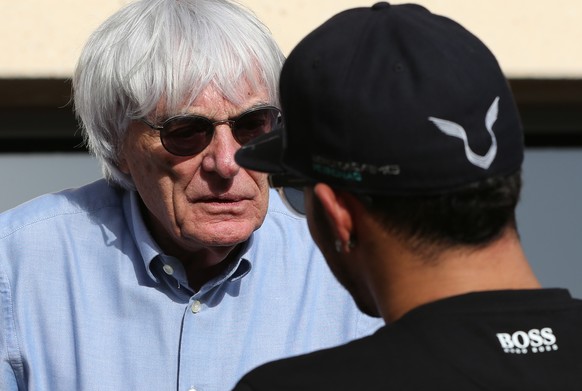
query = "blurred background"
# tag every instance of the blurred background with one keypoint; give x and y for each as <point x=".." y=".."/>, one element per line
<point x="538" y="45"/>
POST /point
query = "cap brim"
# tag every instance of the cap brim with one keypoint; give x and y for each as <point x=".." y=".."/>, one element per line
<point x="263" y="153"/>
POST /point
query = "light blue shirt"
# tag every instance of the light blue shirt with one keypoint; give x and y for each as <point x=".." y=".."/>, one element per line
<point x="89" y="302"/>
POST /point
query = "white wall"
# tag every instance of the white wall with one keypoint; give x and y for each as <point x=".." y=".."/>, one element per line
<point x="40" y="38"/>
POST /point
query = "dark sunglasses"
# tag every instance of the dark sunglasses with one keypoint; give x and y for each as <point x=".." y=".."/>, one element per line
<point x="188" y="135"/>
<point x="290" y="189"/>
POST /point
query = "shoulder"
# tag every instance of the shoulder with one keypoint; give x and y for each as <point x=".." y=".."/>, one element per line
<point x="278" y="210"/>
<point x="49" y="208"/>
<point x="282" y="224"/>
<point x="354" y="365"/>
<point x="388" y="359"/>
<point x="284" y="237"/>
<point x="281" y="249"/>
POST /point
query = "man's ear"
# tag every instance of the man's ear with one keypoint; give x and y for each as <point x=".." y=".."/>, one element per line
<point x="122" y="165"/>
<point x="337" y="208"/>
<point x="122" y="161"/>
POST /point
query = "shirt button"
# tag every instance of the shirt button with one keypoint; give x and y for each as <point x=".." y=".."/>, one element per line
<point x="196" y="307"/>
<point x="169" y="270"/>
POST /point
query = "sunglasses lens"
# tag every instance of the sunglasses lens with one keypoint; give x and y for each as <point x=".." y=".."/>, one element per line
<point x="189" y="135"/>
<point x="186" y="136"/>
<point x="255" y="123"/>
<point x="293" y="198"/>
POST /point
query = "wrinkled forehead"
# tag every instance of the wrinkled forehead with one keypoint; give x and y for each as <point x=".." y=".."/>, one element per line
<point x="242" y="93"/>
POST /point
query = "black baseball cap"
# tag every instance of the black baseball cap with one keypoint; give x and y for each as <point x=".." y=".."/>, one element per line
<point x="391" y="100"/>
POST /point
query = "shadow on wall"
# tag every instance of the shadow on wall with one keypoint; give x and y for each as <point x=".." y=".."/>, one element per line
<point x="28" y="175"/>
<point x="550" y="216"/>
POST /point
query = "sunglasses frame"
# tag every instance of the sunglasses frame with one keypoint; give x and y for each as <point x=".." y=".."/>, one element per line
<point x="231" y="122"/>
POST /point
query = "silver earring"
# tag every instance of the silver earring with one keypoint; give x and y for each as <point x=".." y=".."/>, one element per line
<point x="338" y="246"/>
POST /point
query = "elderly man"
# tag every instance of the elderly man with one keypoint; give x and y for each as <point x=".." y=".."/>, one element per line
<point x="402" y="129"/>
<point x="175" y="272"/>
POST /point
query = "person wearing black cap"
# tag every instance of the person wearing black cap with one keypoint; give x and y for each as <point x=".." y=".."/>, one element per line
<point x="401" y="129"/>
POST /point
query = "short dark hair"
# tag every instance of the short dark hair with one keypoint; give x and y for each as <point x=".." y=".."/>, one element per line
<point x="472" y="216"/>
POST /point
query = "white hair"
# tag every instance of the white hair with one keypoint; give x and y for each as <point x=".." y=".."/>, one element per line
<point x="166" y="49"/>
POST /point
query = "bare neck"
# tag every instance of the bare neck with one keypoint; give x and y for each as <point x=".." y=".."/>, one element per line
<point x="207" y="264"/>
<point x="404" y="281"/>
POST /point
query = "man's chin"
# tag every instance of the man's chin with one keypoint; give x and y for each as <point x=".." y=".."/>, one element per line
<point x="226" y="234"/>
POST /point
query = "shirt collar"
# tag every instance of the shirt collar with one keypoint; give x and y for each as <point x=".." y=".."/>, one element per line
<point x="150" y="250"/>
<point x="145" y="243"/>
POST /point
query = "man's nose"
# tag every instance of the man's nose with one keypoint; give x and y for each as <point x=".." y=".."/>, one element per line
<point x="219" y="155"/>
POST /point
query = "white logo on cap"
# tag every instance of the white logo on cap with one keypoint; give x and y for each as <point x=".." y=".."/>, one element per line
<point x="453" y="129"/>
